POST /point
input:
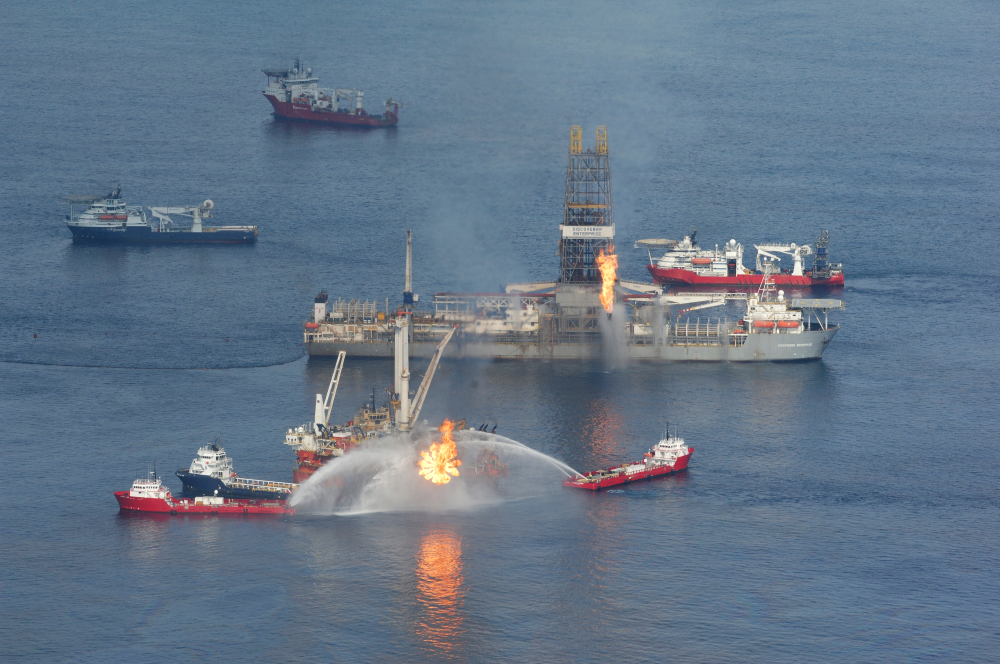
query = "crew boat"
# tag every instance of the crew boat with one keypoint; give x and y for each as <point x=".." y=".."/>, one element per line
<point x="670" y="455"/>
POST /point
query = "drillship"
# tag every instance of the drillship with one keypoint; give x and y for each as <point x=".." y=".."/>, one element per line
<point x="108" y="220"/>
<point x="295" y="95"/>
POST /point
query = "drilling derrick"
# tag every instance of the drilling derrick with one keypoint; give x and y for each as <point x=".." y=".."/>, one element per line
<point x="588" y="225"/>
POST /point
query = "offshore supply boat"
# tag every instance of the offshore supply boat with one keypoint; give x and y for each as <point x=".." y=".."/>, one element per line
<point x="107" y="219"/>
<point x="686" y="263"/>
<point x="670" y="455"/>
<point x="149" y="495"/>
<point x="211" y="474"/>
<point x="295" y="95"/>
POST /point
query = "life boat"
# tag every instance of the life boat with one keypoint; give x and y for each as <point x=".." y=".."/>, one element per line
<point x="312" y="326"/>
<point x="788" y="323"/>
<point x="121" y="217"/>
<point x="107" y="217"/>
<point x="764" y="324"/>
<point x="701" y="261"/>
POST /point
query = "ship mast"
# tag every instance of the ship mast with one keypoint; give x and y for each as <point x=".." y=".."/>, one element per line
<point x="401" y="351"/>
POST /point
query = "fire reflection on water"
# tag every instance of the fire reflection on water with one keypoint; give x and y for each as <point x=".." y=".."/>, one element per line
<point x="439" y="591"/>
<point x="606" y="430"/>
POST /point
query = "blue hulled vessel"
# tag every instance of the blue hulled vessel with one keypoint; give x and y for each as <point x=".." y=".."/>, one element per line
<point x="107" y="219"/>
<point x="211" y="474"/>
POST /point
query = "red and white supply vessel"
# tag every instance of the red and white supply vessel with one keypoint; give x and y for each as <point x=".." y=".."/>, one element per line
<point x="295" y="94"/>
<point x="149" y="495"/>
<point x="670" y="455"/>
<point x="686" y="263"/>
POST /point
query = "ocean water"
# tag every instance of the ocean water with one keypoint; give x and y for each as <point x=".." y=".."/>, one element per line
<point x="842" y="510"/>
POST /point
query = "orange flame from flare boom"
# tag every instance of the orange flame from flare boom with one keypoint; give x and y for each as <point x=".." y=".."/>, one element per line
<point x="441" y="462"/>
<point x="608" y="264"/>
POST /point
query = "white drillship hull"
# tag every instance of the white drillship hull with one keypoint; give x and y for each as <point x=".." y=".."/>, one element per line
<point x="738" y="348"/>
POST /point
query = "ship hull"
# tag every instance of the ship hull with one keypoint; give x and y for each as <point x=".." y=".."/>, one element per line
<point x="129" y="503"/>
<point x="146" y="235"/>
<point x="800" y="347"/>
<point x="305" y="113"/>
<point x="691" y="278"/>
<point x="623" y="477"/>
<point x="203" y="485"/>
<point x="307" y="463"/>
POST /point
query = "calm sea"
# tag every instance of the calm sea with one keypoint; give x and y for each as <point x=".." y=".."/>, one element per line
<point x="842" y="510"/>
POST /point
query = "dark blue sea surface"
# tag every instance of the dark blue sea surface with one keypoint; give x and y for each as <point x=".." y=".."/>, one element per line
<point x="842" y="510"/>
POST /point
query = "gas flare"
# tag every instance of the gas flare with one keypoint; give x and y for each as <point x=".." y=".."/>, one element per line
<point x="608" y="264"/>
<point x="440" y="463"/>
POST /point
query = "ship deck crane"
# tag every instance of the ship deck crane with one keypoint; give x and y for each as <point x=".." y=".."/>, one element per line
<point x="418" y="399"/>
<point x="798" y="253"/>
<point x="324" y="405"/>
<point x="355" y="97"/>
<point x="196" y="212"/>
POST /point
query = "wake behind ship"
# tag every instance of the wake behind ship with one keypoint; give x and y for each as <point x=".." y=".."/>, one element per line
<point x="108" y="220"/>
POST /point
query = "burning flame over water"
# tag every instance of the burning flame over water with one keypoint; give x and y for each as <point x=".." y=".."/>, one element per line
<point x="441" y="462"/>
<point x="608" y="264"/>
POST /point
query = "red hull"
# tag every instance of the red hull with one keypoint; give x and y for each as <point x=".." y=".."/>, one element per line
<point x="688" y="277"/>
<point x="296" y="111"/>
<point x="307" y="463"/>
<point x="625" y="478"/>
<point x="164" y="506"/>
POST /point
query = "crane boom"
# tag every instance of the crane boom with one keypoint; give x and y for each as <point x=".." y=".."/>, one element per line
<point x="418" y="399"/>
<point x="331" y="392"/>
<point x="321" y="417"/>
<point x="797" y="252"/>
<point x="196" y="212"/>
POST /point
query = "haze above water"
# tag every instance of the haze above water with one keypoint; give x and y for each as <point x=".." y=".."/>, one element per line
<point x="844" y="510"/>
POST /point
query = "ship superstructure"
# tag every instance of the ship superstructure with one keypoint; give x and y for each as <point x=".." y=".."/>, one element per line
<point x="295" y="94"/>
<point x="211" y="474"/>
<point x="107" y="219"/>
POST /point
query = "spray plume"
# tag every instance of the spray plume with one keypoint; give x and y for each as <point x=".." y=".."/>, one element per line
<point x="440" y="463"/>
<point x="378" y="477"/>
<point x="608" y="264"/>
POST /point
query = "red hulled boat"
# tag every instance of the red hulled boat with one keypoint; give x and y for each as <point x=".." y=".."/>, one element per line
<point x="295" y="94"/>
<point x="149" y="495"/>
<point x="686" y="263"/>
<point x="670" y="455"/>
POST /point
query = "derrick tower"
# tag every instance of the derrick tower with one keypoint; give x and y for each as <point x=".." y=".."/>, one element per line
<point x="588" y="225"/>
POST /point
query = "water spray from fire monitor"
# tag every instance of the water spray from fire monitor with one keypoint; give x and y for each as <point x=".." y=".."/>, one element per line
<point x="391" y="475"/>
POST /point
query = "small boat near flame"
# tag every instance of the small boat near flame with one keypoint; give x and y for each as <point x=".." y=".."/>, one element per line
<point x="670" y="455"/>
